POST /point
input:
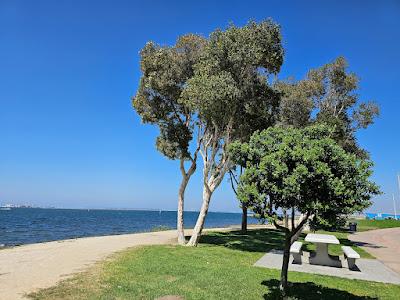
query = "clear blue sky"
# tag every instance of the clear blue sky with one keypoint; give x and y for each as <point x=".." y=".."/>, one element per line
<point x="69" y="137"/>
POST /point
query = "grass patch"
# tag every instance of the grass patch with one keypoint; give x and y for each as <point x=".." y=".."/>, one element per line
<point x="220" y="268"/>
<point x="160" y="228"/>
<point x="364" y="225"/>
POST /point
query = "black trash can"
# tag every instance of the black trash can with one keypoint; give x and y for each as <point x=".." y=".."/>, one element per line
<point x="353" y="226"/>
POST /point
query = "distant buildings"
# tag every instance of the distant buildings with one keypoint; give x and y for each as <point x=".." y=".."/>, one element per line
<point x="16" y="206"/>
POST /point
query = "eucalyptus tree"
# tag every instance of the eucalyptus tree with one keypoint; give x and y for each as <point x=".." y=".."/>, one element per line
<point x="338" y="104"/>
<point x="231" y="93"/>
<point x="328" y="95"/>
<point x="204" y="94"/>
<point x="165" y="72"/>
<point x="302" y="170"/>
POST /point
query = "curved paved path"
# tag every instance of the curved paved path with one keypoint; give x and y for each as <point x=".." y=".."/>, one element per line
<point x="30" y="267"/>
<point x="384" y="244"/>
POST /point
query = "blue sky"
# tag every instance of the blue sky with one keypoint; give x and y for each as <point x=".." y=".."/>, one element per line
<point x="69" y="137"/>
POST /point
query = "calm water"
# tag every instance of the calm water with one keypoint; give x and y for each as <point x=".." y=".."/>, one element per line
<point x="32" y="225"/>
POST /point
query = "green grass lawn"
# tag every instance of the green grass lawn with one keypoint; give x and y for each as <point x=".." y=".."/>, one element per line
<point x="363" y="225"/>
<point x="220" y="268"/>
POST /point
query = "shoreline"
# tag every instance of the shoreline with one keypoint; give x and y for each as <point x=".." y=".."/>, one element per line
<point x="4" y="247"/>
<point x="23" y="226"/>
<point x="27" y="268"/>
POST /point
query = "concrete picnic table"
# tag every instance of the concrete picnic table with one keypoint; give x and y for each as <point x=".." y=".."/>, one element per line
<point x="321" y="256"/>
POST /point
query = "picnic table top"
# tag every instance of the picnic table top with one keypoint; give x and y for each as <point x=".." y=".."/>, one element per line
<point x="322" y="238"/>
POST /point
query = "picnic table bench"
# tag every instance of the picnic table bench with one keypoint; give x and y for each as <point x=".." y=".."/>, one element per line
<point x="295" y="250"/>
<point x="351" y="255"/>
<point x="321" y="256"/>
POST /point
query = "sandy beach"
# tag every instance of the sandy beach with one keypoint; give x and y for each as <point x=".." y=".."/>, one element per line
<point x="27" y="268"/>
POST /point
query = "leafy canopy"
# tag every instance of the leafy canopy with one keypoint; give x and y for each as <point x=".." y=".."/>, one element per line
<point x="204" y="87"/>
<point x="165" y="72"/>
<point x="301" y="169"/>
<point x="327" y="95"/>
<point x="230" y="87"/>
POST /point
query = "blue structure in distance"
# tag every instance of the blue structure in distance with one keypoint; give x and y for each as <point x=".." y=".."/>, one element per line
<point x="381" y="216"/>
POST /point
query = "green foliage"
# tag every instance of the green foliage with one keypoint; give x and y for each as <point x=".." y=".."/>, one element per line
<point x="296" y="102"/>
<point x="216" y="89"/>
<point x="304" y="170"/>
<point x="328" y="222"/>
<point x="329" y="94"/>
<point x="219" y="83"/>
<point x="165" y="72"/>
<point x="160" y="228"/>
<point x="336" y="100"/>
<point x="230" y="87"/>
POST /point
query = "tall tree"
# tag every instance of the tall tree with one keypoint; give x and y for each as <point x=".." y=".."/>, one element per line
<point x="231" y="94"/>
<point x="165" y="72"/>
<point x="205" y="93"/>
<point x="301" y="170"/>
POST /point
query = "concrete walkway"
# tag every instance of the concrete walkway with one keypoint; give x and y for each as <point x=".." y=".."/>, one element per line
<point x="368" y="269"/>
<point x="384" y="244"/>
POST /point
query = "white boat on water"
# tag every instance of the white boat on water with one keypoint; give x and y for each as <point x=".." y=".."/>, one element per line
<point x="6" y="207"/>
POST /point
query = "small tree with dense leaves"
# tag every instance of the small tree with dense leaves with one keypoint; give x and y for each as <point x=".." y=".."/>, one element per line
<point x="300" y="170"/>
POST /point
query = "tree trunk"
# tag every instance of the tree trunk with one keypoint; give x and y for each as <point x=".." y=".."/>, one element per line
<point x="244" y="218"/>
<point x="194" y="239"/>
<point x="285" y="218"/>
<point x="181" y="198"/>
<point x="285" y="265"/>
<point x="298" y="233"/>
<point x="179" y="221"/>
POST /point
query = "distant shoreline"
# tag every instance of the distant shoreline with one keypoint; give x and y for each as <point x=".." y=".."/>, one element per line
<point x="117" y="209"/>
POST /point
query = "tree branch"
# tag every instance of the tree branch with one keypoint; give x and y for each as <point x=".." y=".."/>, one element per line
<point x="280" y="227"/>
<point x="301" y="224"/>
<point x="182" y="167"/>
<point x="292" y="218"/>
<point x="232" y="177"/>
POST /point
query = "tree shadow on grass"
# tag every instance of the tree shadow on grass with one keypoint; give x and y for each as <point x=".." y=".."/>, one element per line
<point x="259" y="240"/>
<point x="309" y="291"/>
